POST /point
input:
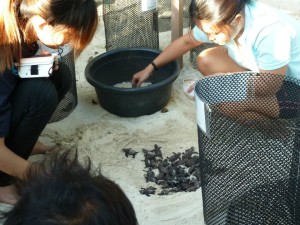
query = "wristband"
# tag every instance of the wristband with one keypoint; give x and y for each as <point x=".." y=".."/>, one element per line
<point x="154" y="65"/>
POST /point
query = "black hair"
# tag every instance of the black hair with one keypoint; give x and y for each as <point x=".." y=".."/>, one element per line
<point x="62" y="191"/>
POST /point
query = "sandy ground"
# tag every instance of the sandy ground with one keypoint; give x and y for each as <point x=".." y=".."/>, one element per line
<point x="100" y="135"/>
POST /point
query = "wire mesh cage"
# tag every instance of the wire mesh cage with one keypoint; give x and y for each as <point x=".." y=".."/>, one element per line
<point x="127" y="24"/>
<point x="248" y="132"/>
<point x="164" y="15"/>
<point x="70" y="100"/>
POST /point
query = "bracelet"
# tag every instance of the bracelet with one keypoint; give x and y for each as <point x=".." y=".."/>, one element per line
<point x="154" y="65"/>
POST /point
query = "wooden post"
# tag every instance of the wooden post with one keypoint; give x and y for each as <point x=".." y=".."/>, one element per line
<point x="177" y="23"/>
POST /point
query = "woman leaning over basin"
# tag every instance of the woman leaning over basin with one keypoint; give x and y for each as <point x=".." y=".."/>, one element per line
<point x="249" y="36"/>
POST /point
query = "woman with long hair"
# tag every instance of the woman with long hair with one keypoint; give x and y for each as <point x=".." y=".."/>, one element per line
<point x="26" y="105"/>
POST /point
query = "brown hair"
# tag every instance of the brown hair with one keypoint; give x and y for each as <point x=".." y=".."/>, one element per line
<point x="219" y="12"/>
<point x="15" y="20"/>
<point x="10" y="38"/>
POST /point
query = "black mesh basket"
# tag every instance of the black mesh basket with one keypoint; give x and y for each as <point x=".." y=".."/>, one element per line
<point x="165" y="14"/>
<point x="126" y="25"/>
<point x="70" y="101"/>
<point x="249" y="145"/>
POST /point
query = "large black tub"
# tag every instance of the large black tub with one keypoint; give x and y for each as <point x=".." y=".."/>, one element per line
<point x="119" y="65"/>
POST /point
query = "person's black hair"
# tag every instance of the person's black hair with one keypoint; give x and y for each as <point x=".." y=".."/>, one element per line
<point x="63" y="191"/>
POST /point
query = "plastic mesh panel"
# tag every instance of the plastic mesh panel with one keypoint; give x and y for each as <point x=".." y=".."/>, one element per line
<point x="249" y="152"/>
<point x="127" y="26"/>
<point x="264" y="204"/>
<point x="70" y="101"/>
<point x="164" y="15"/>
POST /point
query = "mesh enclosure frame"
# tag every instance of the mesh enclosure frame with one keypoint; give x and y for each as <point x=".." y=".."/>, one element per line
<point x="127" y="26"/>
<point x="68" y="104"/>
<point x="164" y="15"/>
<point x="249" y="165"/>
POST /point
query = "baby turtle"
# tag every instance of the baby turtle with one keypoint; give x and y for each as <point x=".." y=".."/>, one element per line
<point x="149" y="154"/>
<point x="175" y="156"/>
<point x="150" y="175"/>
<point x="148" y="191"/>
<point x="129" y="151"/>
<point x="157" y="151"/>
<point x="189" y="153"/>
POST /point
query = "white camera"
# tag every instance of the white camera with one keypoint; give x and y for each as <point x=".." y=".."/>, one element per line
<point x="37" y="66"/>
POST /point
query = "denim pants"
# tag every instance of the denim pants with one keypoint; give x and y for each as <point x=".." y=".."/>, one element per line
<point x="33" y="103"/>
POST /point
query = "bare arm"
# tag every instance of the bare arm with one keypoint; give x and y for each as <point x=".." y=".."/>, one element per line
<point x="173" y="51"/>
<point x="176" y="49"/>
<point x="11" y="163"/>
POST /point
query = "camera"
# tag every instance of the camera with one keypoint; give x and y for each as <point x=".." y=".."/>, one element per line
<point x="37" y="66"/>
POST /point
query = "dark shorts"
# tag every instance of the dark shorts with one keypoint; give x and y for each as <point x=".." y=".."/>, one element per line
<point x="289" y="100"/>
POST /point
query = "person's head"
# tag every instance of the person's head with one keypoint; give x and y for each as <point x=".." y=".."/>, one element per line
<point x="53" y="22"/>
<point x="63" y="191"/>
<point x="221" y="20"/>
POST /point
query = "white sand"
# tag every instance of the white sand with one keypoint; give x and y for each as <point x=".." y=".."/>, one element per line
<point x="128" y="84"/>
<point x="102" y="136"/>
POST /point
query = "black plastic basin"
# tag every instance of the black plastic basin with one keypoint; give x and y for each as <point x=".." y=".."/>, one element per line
<point x="119" y="65"/>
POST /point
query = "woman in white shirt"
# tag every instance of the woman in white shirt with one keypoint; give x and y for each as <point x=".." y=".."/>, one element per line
<point x="250" y="36"/>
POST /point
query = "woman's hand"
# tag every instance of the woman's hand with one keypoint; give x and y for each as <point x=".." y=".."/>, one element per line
<point x="188" y="88"/>
<point x="139" y="77"/>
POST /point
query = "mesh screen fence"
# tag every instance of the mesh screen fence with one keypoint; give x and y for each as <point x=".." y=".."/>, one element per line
<point x="249" y="145"/>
